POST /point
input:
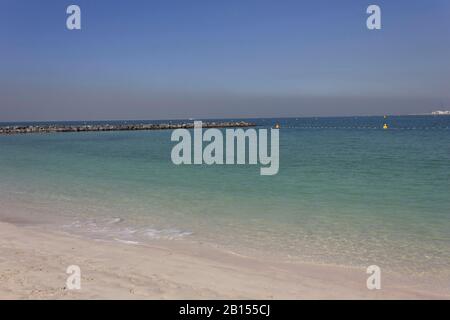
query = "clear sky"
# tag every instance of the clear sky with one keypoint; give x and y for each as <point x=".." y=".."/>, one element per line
<point x="221" y="58"/>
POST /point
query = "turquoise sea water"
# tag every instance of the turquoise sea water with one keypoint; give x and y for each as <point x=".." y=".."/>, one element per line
<point x="347" y="192"/>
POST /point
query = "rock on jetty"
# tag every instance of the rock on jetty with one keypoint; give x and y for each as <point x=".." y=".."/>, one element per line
<point x="116" y="127"/>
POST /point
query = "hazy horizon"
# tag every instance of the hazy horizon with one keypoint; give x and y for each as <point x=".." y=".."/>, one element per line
<point x="259" y="59"/>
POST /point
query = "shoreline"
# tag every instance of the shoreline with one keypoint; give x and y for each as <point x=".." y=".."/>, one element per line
<point x="33" y="262"/>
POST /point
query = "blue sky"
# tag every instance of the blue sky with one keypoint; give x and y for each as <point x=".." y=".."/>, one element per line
<point x="253" y="58"/>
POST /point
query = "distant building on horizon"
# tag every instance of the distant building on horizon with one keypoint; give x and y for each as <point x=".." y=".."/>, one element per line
<point x="440" y="113"/>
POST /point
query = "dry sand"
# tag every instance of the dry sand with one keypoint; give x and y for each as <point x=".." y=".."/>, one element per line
<point x="33" y="263"/>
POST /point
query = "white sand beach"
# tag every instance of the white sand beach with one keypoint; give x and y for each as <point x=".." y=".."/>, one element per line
<point x="33" y="263"/>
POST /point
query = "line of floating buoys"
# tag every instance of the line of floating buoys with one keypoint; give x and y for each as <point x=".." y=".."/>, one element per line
<point x="385" y="126"/>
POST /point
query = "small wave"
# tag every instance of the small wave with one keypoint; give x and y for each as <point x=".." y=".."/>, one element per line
<point x="113" y="229"/>
<point x="115" y="220"/>
<point x="169" y="234"/>
<point x="126" y="241"/>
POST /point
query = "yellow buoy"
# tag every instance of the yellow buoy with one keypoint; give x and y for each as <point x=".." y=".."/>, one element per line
<point x="385" y="126"/>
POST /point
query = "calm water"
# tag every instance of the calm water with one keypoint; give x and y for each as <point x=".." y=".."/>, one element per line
<point x="347" y="191"/>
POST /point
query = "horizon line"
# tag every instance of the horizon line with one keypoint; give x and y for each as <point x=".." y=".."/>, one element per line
<point x="225" y="118"/>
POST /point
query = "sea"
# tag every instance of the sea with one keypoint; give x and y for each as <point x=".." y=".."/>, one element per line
<point x="348" y="192"/>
